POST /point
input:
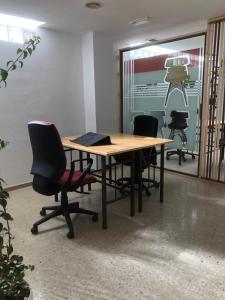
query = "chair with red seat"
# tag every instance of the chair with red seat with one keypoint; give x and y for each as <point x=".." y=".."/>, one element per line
<point x="51" y="176"/>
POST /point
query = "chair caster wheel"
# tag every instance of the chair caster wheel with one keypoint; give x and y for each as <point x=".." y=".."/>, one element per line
<point x="34" y="230"/>
<point x="70" y="235"/>
<point x="95" y="218"/>
<point x="43" y="212"/>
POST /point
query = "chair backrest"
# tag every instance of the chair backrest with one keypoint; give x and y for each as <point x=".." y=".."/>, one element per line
<point x="146" y="126"/>
<point x="179" y="119"/>
<point x="49" y="160"/>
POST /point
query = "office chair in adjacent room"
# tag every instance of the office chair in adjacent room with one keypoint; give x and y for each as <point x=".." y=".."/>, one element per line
<point x="144" y="125"/>
<point x="177" y="127"/>
<point x="51" y="176"/>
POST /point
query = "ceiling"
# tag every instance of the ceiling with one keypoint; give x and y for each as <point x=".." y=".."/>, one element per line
<point x="113" y="18"/>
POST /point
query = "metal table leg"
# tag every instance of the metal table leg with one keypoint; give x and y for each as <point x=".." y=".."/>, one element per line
<point x="110" y="169"/>
<point x="132" y="203"/>
<point x="89" y="185"/>
<point x="162" y="173"/>
<point x="104" y="195"/>
<point x="140" y="181"/>
<point x="81" y="167"/>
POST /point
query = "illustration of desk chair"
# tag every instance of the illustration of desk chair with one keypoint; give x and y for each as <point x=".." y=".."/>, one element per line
<point x="177" y="75"/>
<point x="159" y="115"/>
<point x="177" y="127"/>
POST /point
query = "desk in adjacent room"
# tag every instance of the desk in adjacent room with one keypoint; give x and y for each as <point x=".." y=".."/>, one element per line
<point x="122" y="143"/>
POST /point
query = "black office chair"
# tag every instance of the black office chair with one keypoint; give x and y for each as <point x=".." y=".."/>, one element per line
<point x="177" y="127"/>
<point x="51" y="176"/>
<point x="144" y="125"/>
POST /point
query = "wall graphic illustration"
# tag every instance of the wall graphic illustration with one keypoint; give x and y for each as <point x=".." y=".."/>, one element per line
<point x="177" y="75"/>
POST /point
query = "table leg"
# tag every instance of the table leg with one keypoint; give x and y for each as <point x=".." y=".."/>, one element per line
<point x="104" y="195"/>
<point x="81" y="167"/>
<point x="89" y="185"/>
<point x="110" y="169"/>
<point x="132" y="203"/>
<point x="140" y="181"/>
<point x="162" y="173"/>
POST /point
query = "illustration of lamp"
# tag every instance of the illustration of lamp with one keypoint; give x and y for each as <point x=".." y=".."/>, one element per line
<point x="177" y="75"/>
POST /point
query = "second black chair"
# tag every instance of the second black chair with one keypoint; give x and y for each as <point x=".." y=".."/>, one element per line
<point x="144" y="125"/>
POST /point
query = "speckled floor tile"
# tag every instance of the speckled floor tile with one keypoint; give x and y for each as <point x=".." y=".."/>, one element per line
<point x="174" y="250"/>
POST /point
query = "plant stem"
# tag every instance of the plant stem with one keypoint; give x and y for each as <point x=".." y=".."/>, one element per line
<point x="18" y="58"/>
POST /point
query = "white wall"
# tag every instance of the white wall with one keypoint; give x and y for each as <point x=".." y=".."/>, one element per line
<point x="49" y="87"/>
<point x="106" y="90"/>
<point x="89" y="81"/>
<point x="99" y="77"/>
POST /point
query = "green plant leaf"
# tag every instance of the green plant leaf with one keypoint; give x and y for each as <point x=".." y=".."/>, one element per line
<point x="3" y="203"/>
<point x="25" y="53"/>
<point x="34" y="47"/>
<point x="1" y="242"/>
<point x="31" y="268"/>
<point x="17" y="259"/>
<point x="19" y="50"/>
<point x="3" y="144"/>
<point x="4" y="195"/>
<point x="30" y="50"/>
<point x="4" y="74"/>
<point x="4" y="82"/>
<point x="13" y="67"/>
<point x="2" y="180"/>
<point x="21" y="64"/>
<point x="9" y="62"/>
<point x="23" y="289"/>
<point x="10" y="250"/>
<point x="6" y="216"/>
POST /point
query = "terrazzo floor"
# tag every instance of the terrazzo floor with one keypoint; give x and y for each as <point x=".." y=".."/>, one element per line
<point x="174" y="250"/>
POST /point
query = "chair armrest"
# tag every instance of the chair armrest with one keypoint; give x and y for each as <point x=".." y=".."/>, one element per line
<point x="83" y="159"/>
<point x="83" y="174"/>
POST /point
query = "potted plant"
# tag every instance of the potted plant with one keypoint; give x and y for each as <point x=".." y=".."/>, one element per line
<point x="12" y="268"/>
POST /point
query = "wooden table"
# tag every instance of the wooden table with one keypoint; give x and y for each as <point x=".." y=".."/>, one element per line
<point x="122" y="143"/>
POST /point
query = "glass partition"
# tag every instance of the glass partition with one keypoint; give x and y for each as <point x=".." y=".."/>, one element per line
<point x="165" y="81"/>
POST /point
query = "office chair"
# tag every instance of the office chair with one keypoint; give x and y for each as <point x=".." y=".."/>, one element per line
<point x="144" y="125"/>
<point x="51" y="176"/>
<point x="177" y="127"/>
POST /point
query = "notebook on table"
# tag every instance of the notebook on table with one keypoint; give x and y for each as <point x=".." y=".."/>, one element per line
<point x="92" y="139"/>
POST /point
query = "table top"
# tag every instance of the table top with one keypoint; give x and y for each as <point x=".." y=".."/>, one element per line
<point x="121" y="143"/>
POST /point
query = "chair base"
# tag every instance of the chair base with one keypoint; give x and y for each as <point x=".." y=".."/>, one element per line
<point x="126" y="183"/>
<point x="64" y="209"/>
<point x="181" y="154"/>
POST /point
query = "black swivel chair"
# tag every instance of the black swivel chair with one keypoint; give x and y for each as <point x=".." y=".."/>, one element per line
<point x="177" y="127"/>
<point x="144" y="125"/>
<point x="51" y="176"/>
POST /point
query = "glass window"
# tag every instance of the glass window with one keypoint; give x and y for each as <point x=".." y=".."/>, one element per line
<point x="161" y="79"/>
<point x="15" y="35"/>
